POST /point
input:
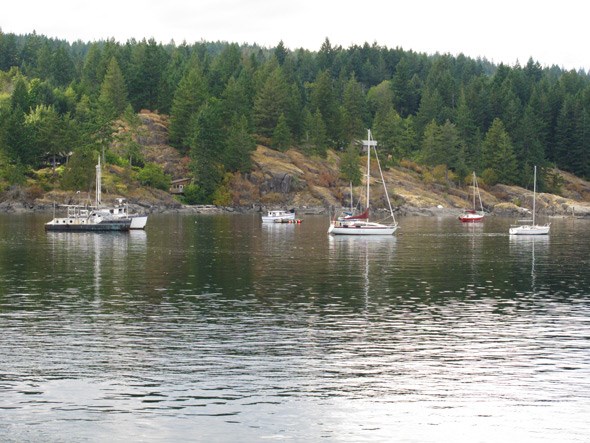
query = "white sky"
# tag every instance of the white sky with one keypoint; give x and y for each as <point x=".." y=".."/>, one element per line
<point x="551" y="32"/>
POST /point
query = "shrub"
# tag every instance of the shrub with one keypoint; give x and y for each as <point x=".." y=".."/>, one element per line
<point x="489" y="177"/>
<point x="153" y="175"/>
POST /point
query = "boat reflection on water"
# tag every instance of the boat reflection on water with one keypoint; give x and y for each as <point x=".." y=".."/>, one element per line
<point x="534" y="246"/>
<point x="90" y="252"/>
<point x="362" y="258"/>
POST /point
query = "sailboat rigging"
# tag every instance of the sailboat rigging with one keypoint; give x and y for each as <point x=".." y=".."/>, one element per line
<point x="359" y="224"/>
<point x="532" y="229"/>
<point x="472" y="215"/>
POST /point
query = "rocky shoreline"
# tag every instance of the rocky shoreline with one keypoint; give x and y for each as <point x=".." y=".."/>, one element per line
<point x="580" y="210"/>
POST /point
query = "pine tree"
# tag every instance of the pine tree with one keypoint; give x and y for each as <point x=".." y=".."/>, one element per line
<point x="190" y="95"/>
<point x="498" y="153"/>
<point x="354" y="110"/>
<point x="240" y="145"/>
<point x="281" y="137"/>
<point x="270" y="103"/>
<point x="317" y="137"/>
<point x="113" y="92"/>
<point x="349" y="165"/>
<point x="208" y="148"/>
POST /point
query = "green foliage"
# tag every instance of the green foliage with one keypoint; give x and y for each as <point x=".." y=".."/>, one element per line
<point x="222" y="195"/>
<point x="190" y="95"/>
<point x="14" y="173"/>
<point x="112" y="100"/>
<point x="349" y="165"/>
<point x="498" y="153"/>
<point x="192" y="195"/>
<point x="240" y="145"/>
<point x="271" y="103"/>
<point x="281" y="137"/>
<point x="489" y="177"/>
<point x="58" y="98"/>
<point x="153" y="175"/>
<point x="80" y="173"/>
<point x="317" y="139"/>
<point x="208" y="147"/>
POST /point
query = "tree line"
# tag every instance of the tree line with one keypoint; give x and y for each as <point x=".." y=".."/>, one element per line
<point x="70" y="99"/>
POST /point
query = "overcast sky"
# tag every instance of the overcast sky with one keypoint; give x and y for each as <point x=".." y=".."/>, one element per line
<point x="551" y="32"/>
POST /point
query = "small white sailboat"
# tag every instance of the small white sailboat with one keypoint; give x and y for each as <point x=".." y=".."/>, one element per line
<point x="359" y="224"/>
<point x="532" y="228"/>
<point x="473" y="215"/>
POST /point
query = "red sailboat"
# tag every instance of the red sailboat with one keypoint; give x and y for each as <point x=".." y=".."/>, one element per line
<point x="472" y="215"/>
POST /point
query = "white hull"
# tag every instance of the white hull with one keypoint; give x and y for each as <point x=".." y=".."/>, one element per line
<point x="360" y="224"/>
<point x="138" y="222"/>
<point x="532" y="229"/>
<point x="278" y="218"/>
<point x="529" y="230"/>
<point x="365" y="228"/>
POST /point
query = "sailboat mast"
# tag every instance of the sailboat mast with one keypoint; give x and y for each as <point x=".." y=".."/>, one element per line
<point x="474" y="190"/>
<point x="351" y="208"/>
<point x="368" y="163"/>
<point x="534" y="193"/>
<point x="98" y="183"/>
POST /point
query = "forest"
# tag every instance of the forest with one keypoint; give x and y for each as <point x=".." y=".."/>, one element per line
<point x="62" y="104"/>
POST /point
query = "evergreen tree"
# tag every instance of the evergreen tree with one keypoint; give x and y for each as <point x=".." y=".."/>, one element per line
<point x="389" y="129"/>
<point x="529" y="149"/>
<point x="208" y="148"/>
<point x="20" y="96"/>
<point x="8" y="51"/>
<point x="323" y="98"/>
<point x="405" y="86"/>
<point x="380" y="98"/>
<point x="147" y="64"/>
<point x="113" y="92"/>
<point x="44" y="125"/>
<point x="349" y="165"/>
<point x="317" y="140"/>
<point x="240" y="145"/>
<point x="281" y="53"/>
<point x="498" y="153"/>
<point x="354" y="110"/>
<point x="226" y="65"/>
<point x="236" y="100"/>
<point x="191" y="94"/>
<point x="270" y="103"/>
<point x="18" y="141"/>
<point x="281" y="137"/>
<point x="91" y="77"/>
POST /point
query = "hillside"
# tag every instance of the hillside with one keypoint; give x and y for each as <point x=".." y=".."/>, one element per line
<point x="290" y="179"/>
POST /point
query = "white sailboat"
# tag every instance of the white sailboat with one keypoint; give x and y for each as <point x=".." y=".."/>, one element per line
<point x="473" y="215"/>
<point x="532" y="228"/>
<point x="360" y="224"/>
<point x="120" y="210"/>
<point x="84" y="218"/>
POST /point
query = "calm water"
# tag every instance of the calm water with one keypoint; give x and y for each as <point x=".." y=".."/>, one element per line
<point x="219" y="328"/>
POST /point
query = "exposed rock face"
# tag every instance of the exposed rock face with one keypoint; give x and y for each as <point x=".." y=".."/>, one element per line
<point x="155" y="129"/>
<point x="275" y="173"/>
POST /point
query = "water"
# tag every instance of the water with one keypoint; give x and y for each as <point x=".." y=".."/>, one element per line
<point x="219" y="328"/>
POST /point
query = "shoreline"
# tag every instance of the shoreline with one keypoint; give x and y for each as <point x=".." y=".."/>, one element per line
<point x="583" y="211"/>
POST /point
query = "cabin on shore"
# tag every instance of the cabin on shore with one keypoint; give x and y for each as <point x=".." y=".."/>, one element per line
<point x="177" y="186"/>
